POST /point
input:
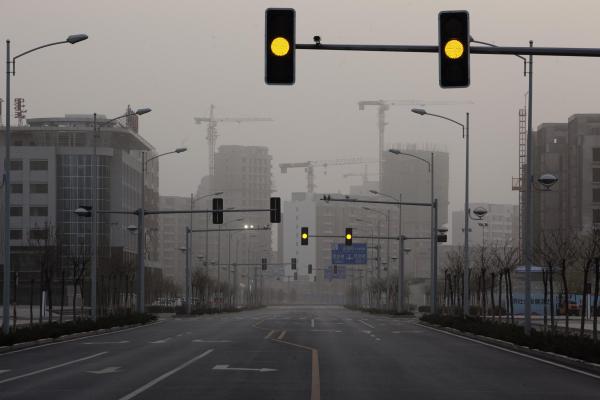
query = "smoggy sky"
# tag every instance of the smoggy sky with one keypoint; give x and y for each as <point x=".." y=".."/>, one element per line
<point x="178" y="57"/>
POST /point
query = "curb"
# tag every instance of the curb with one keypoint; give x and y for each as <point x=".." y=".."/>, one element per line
<point x="71" y="336"/>
<point x="571" y="362"/>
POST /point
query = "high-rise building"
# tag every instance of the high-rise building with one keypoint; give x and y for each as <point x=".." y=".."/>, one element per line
<point x="172" y="238"/>
<point x="499" y="226"/>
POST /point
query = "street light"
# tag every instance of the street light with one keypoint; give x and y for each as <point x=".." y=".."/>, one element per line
<point x="465" y="134"/>
<point x="72" y="39"/>
<point x="141" y="213"/>
<point x="433" y="221"/>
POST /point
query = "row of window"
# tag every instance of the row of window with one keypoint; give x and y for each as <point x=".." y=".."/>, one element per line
<point x="34" y="234"/>
<point x="35" y="188"/>
<point x="34" y="165"/>
<point x="34" y="211"/>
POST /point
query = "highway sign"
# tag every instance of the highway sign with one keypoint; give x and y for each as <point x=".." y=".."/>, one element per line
<point x="355" y="254"/>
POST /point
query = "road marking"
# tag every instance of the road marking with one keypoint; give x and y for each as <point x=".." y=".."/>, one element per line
<point x="39" y="371"/>
<point x="366" y="323"/>
<point x="312" y="323"/>
<point x="164" y="376"/>
<point x="210" y="341"/>
<point x="226" y="367"/>
<point x="315" y="389"/>
<point x="408" y="331"/>
<point x="269" y="334"/>
<point x="119" y="342"/>
<point x="578" y="371"/>
<point x="325" y="330"/>
<point x="281" y="335"/>
<point x="3" y="371"/>
<point x="161" y="340"/>
<point x="107" y="370"/>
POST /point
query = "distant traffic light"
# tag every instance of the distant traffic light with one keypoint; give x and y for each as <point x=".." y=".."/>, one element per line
<point x="304" y="236"/>
<point x="280" y="46"/>
<point x="293" y="263"/>
<point x="264" y="264"/>
<point x="309" y="269"/>
<point x="442" y="238"/>
<point x="348" y="237"/>
<point x="275" y="210"/>
<point x="217" y="214"/>
<point x="454" y="49"/>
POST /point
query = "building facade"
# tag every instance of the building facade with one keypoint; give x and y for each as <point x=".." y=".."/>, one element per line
<point x="499" y="226"/>
<point x="172" y="239"/>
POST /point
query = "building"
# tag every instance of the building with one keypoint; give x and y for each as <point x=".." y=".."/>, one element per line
<point x="499" y="226"/>
<point x="51" y="175"/>
<point x="172" y="239"/>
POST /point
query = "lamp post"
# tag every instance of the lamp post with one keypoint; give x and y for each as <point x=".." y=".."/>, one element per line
<point x="140" y="214"/>
<point x="430" y="165"/>
<point x="94" y="216"/>
<point x="465" y="132"/>
<point x="11" y="63"/>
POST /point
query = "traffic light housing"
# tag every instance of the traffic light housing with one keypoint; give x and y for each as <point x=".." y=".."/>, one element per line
<point x="264" y="264"/>
<point x="442" y="238"/>
<point x="454" y="40"/>
<point x="217" y="207"/>
<point x="275" y="210"/>
<point x="304" y="236"/>
<point x="293" y="263"/>
<point x="280" y="46"/>
<point x="348" y="236"/>
<point x="309" y="269"/>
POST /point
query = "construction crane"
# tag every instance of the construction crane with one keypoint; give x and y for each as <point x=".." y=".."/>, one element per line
<point x="309" y="167"/>
<point x="384" y="105"/>
<point x="365" y="174"/>
<point x="211" y="135"/>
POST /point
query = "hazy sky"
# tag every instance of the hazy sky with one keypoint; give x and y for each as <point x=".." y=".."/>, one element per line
<point x="178" y="57"/>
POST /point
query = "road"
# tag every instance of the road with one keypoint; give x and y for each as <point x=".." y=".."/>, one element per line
<point x="284" y="353"/>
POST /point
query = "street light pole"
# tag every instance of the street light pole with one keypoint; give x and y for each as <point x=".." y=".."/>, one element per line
<point x="7" y="267"/>
<point x="529" y="207"/>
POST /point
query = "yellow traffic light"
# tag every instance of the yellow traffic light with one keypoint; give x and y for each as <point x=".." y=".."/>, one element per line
<point x="305" y="236"/>
<point x="348" y="236"/>
<point x="280" y="46"/>
<point x="454" y="49"/>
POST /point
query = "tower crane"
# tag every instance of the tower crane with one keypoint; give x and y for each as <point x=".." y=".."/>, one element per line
<point x="309" y="167"/>
<point x="365" y="174"/>
<point x="384" y="105"/>
<point x="211" y="135"/>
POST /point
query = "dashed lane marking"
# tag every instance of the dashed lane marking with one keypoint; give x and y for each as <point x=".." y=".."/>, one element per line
<point x="366" y="324"/>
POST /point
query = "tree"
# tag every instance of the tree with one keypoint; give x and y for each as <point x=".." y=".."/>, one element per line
<point x="588" y="250"/>
<point x="45" y="245"/>
<point x="507" y="258"/>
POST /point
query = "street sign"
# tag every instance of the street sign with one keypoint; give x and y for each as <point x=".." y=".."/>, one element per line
<point x="328" y="272"/>
<point x="355" y="254"/>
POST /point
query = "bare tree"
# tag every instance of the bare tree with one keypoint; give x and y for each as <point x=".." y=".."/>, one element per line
<point x="507" y="258"/>
<point x="588" y="250"/>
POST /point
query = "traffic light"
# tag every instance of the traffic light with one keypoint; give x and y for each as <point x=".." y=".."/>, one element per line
<point x="293" y="263"/>
<point x="348" y="237"/>
<point x="264" y="264"/>
<point x="442" y="238"/>
<point x="335" y="269"/>
<point x="275" y="210"/>
<point x="304" y="236"/>
<point x="280" y="46"/>
<point x="454" y="48"/>
<point x="309" y="269"/>
<point x="217" y="210"/>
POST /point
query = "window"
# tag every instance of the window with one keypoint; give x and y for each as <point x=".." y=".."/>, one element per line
<point x="38" y="165"/>
<point x="38" y="211"/>
<point x="16" y="234"/>
<point x="38" y="234"/>
<point x="16" y="188"/>
<point x="596" y="175"/>
<point x="596" y="216"/>
<point x="596" y="154"/>
<point x="16" y="165"/>
<point x="596" y="195"/>
<point x="42" y="188"/>
<point x="16" y="211"/>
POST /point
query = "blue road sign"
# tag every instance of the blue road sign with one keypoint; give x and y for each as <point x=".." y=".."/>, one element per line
<point x="329" y="275"/>
<point x="355" y="254"/>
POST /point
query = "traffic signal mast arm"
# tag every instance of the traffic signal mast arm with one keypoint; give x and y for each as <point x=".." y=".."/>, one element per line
<point x="327" y="198"/>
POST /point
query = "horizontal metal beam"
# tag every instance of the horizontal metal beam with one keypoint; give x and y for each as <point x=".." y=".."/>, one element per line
<point x="511" y="50"/>
<point x="230" y="230"/>
<point x="397" y="203"/>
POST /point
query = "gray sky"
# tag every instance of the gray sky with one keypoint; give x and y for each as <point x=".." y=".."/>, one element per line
<point x="178" y="57"/>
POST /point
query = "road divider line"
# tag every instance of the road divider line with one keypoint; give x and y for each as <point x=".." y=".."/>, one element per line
<point x="281" y="335"/>
<point x="164" y="376"/>
<point x="578" y="371"/>
<point x="269" y="334"/>
<point x="39" y="371"/>
<point x="366" y="324"/>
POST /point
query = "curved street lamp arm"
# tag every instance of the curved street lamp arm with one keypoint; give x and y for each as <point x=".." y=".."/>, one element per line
<point x="447" y="119"/>
<point x="418" y="158"/>
<point x="34" y="49"/>
<point x="114" y="119"/>
<point x="517" y="55"/>
<point x="160" y="155"/>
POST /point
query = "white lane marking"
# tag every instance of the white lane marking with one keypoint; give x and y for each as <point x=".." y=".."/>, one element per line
<point x="312" y="323"/>
<point x="280" y="337"/>
<point x="165" y="340"/>
<point x="269" y="334"/>
<point x="366" y="323"/>
<point x="107" y="370"/>
<point x="578" y="371"/>
<point x="154" y="381"/>
<point x="408" y="331"/>
<point x="119" y="342"/>
<point x="210" y="341"/>
<point x="79" y="338"/>
<point x="325" y="330"/>
<point x="39" y="371"/>
<point x="226" y="367"/>
<point x="3" y="371"/>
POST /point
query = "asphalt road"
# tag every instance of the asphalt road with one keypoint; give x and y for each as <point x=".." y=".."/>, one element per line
<point x="284" y="353"/>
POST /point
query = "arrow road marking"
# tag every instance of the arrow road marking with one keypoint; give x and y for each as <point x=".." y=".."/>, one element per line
<point x="120" y="342"/>
<point x="107" y="370"/>
<point x="210" y="341"/>
<point x="225" y="367"/>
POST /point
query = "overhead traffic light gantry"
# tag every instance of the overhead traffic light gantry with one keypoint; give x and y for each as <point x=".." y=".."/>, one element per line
<point x="280" y="46"/>
<point x="454" y="49"/>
